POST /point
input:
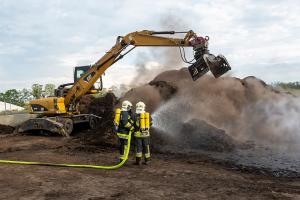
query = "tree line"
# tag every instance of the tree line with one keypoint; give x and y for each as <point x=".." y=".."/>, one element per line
<point x="20" y="97"/>
<point x="292" y="85"/>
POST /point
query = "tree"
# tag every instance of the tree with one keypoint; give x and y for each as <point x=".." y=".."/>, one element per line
<point x="12" y="96"/>
<point x="37" y="90"/>
<point x="26" y="95"/>
<point x="49" y="89"/>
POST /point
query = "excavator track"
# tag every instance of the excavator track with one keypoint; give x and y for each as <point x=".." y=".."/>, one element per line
<point x="62" y="125"/>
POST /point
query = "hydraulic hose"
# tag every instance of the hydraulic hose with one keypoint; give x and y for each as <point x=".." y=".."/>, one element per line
<point x="74" y="165"/>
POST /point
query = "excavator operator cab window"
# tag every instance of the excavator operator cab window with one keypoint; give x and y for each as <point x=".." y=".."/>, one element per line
<point x="79" y="71"/>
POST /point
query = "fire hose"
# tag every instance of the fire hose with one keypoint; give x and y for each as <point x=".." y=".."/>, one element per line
<point x="127" y="150"/>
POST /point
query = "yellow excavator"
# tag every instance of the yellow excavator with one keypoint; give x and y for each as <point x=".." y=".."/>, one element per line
<point x="58" y="114"/>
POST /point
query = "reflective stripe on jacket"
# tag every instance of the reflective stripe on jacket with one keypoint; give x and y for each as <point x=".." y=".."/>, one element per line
<point x="142" y="134"/>
<point x="126" y="124"/>
<point x="122" y="135"/>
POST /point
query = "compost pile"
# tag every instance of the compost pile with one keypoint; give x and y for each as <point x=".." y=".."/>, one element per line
<point x="4" y="129"/>
<point x="103" y="135"/>
<point x="246" y="109"/>
<point x="209" y="114"/>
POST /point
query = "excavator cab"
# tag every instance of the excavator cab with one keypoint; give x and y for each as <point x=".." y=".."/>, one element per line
<point x="81" y="70"/>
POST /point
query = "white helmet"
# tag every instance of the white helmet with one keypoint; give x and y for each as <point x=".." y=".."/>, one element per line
<point x="126" y="105"/>
<point x="140" y="107"/>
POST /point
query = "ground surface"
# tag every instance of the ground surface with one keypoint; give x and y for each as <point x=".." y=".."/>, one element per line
<point x="170" y="176"/>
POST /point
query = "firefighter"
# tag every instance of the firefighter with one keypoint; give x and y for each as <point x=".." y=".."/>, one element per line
<point x="123" y="126"/>
<point x="142" y="123"/>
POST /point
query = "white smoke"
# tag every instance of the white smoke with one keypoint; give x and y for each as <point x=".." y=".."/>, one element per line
<point x="272" y="121"/>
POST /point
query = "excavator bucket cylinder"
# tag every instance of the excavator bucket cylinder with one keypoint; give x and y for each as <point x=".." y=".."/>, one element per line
<point x="218" y="66"/>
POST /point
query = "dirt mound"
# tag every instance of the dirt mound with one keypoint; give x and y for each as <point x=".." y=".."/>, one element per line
<point x="193" y="136"/>
<point x="103" y="134"/>
<point x="4" y="129"/>
<point x="203" y="136"/>
<point x="152" y="94"/>
<point x="245" y="108"/>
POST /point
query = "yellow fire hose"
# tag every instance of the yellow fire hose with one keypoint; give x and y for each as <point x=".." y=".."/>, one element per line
<point x="73" y="165"/>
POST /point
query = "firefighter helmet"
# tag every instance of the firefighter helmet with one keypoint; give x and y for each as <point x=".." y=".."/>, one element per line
<point x="140" y="107"/>
<point x="126" y="105"/>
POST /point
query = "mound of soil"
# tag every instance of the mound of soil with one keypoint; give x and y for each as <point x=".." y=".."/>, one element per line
<point x="165" y="89"/>
<point x="197" y="134"/>
<point x="194" y="135"/>
<point x="4" y="129"/>
<point x="103" y="135"/>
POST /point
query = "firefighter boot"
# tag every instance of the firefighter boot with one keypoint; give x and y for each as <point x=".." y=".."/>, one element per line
<point x="138" y="161"/>
<point x="147" y="161"/>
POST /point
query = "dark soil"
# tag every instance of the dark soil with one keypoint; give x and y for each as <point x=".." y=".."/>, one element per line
<point x="170" y="176"/>
<point x="103" y="134"/>
<point x="6" y="129"/>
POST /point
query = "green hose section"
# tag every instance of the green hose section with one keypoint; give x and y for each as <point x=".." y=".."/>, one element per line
<point x="74" y="165"/>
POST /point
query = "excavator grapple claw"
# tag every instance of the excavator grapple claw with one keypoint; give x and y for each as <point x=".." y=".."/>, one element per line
<point x="218" y="65"/>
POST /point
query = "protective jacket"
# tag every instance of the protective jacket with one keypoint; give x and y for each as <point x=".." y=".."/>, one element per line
<point x="125" y="124"/>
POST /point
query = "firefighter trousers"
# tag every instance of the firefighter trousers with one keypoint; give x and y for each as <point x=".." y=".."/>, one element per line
<point x="142" y="146"/>
<point x="123" y="145"/>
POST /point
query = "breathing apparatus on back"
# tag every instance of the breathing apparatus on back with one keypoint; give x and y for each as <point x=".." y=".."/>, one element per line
<point x="144" y="116"/>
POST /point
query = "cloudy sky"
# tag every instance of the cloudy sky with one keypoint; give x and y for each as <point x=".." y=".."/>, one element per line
<point x="41" y="41"/>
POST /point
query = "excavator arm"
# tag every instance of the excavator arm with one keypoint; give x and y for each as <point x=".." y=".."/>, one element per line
<point x="204" y="60"/>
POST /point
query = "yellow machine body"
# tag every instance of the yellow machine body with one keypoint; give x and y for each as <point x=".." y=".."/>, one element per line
<point x="48" y="106"/>
<point x="117" y="116"/>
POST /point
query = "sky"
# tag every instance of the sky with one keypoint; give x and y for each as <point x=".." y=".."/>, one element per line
<point x="41" y="41"/>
